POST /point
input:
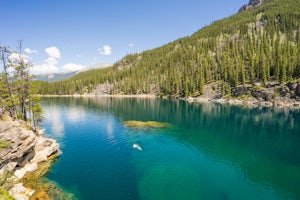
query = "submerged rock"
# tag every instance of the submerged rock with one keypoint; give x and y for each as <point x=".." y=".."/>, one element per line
<point x="147" y="124"/>
<point x="45" y="189"/>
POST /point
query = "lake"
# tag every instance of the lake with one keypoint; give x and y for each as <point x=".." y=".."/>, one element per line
<point x="207" y="151"/>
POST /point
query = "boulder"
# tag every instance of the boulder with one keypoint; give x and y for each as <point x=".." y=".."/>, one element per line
<point x="283" y="91"/>
<point x="240" y="90"/>
<point x="262" y="94"/>
<point x="291" y="85"/>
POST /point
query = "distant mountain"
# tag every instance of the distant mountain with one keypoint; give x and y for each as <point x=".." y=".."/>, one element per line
<point x="53" y="77"/>
<point x="256" y="47"/>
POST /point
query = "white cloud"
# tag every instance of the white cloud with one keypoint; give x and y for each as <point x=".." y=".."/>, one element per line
<point x="51" y="61"/>
<point x="71" y="67"/>
<point x="44" y="69"/>
<point x="29" y="51"/>
<point x="48" y="68"/>
<point x="53" y="52"/>
<point x="50" y="65"/>
<point x="105" y="50"/>
<point x="130" y="45"/>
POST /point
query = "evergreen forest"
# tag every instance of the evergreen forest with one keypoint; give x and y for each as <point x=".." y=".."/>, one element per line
<point x="260" y="45"/>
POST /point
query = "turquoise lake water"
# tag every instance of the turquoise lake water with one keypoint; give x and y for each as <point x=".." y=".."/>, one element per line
<point x="208" y="151"/>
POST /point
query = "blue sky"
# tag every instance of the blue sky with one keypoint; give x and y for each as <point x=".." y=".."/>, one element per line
<point x="65" y="35"/>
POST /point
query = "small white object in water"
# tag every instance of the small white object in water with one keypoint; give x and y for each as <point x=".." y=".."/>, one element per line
<point x="136" y="146"/>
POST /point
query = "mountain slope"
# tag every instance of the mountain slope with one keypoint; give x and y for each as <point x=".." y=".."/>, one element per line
<point x="52" y="77"/>
<point x="254" y="47"/>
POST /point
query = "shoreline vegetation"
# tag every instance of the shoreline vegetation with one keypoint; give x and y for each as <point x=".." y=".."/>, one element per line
<point x="246" y="100"/>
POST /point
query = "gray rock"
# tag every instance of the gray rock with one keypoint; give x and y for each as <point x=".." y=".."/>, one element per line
<point x="8" y="167"/>
<point x="283" y="91"/>
<point x="44" y="148"/>
<point x="20" y="173"/>
<point x="240" y="90"/>
<point x="291" y="85"/>
<point x="29" y="167"/>
<point x="251" y="4"/>
<point x="262" y="94"/>
<point x="27" y="149"/>
<point x="297" y="90"/>
<point x="23" y="135"/>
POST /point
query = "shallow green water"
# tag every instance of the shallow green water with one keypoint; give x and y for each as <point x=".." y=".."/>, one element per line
<point x="209" y="151"/>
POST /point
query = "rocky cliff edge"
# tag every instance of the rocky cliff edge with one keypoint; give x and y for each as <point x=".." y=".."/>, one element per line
<point x="21" y="152"/>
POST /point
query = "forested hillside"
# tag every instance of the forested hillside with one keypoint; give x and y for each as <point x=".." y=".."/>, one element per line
<point x="259" y="45"/>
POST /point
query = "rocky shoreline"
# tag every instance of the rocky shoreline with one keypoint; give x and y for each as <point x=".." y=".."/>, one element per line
<point x="271" y="94"/>
<point x="250" y="102"/>
<point x="22" y="153"/>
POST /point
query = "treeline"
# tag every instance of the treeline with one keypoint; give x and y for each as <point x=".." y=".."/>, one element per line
<point x="258" y="45"/>
<point x="16" y="91"/>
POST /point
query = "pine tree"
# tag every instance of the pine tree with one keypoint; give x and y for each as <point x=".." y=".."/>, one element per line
<point x="22" y="79"/>
<point x="7" y="90"/>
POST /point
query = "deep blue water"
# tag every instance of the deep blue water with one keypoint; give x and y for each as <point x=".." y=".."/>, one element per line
<point x="209" y="151"/>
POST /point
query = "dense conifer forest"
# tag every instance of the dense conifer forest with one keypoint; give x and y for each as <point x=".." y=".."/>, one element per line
<point x="259" y="45"/>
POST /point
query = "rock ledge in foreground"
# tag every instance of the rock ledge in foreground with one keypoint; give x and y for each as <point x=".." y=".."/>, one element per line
<point x="25" y="152"/>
